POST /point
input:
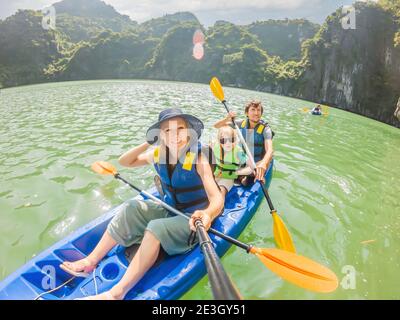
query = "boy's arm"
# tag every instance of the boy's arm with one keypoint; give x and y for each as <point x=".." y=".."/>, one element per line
<point x="245" y="171"/>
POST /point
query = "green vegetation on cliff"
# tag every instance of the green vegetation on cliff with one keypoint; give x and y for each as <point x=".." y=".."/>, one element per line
<point x="93" y="41"/>
<point x="393" y="6"/>
<point x="283" y="38"/>
<point x="357" y="70"/>
<point x="26" y="49"/>
<point x="158" y="27"/>
<point x="110" y="55"/>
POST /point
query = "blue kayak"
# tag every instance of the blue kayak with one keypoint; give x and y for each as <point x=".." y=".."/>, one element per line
<point x="316" y="113"/>
<point x="169" y="278"/>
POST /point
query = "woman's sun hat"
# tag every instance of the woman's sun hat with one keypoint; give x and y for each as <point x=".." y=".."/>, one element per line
<point x="152" y="134"/>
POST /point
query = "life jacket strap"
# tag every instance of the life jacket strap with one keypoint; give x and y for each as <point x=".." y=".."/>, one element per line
<point x="182" y="206"/>
<point x="260" y="129"/>
<point x="156" y="155"/>
<point x="231" y="171"/>
<point x="225" y="169"/>
<point x="188" y="162"/>
<point x="181" y="190"/>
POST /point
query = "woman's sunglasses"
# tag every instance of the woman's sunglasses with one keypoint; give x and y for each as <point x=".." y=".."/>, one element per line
<point x="225" y="140"/>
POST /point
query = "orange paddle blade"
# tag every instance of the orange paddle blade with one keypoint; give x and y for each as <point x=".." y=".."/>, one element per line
<point x="103" y="167"/>
<point x="281" y="234"/>
<point x="216" y="89"/>
<point x="297" y="269"/>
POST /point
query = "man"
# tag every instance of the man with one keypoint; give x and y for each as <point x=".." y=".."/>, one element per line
<point x="258" y="136"/>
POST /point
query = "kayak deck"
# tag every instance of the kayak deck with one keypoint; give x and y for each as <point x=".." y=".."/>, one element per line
<point x="169" y="278"/>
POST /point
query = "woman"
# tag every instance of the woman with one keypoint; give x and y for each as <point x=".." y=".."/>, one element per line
<point x="188" y="185"/>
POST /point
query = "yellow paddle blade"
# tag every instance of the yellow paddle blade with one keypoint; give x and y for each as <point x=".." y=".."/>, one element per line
<point x="297" y="269"/>
<point x="103" y="167"/>
<point x="325" y="110"/>
<point x="281" y="234"/>
<point x="216" y="89"/>
<point x="305" y="109"/>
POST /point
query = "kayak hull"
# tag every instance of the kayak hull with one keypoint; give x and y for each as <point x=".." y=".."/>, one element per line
<point x="169" y="279"/>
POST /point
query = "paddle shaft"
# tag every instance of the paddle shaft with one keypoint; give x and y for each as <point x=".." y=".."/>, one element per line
<point x="222" y="287"/>
<point x="251" y="158"/>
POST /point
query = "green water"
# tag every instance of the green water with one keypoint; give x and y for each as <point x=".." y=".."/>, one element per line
<point x="336" y="179"/>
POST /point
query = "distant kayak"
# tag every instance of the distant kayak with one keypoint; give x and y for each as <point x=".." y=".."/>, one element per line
<point x="169" y="278"/>
<point x="313" y="111"/>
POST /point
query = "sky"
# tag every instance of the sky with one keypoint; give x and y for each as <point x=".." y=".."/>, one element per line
<point x="207" y="11"/>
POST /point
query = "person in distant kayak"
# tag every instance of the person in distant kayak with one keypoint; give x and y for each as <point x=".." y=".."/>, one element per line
<point x="258" y="136"/>
<point x="317" y="110"/>
<point x="230" y="159"/>
<point x="188" y="185"/>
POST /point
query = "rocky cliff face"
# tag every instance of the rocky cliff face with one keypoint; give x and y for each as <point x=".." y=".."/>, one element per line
<point x="356" y="69"/>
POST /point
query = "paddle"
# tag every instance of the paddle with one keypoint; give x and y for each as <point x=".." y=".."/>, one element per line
<point x="296" y="269"/>
<point x="281" y="234"/>
<point x="325" y="110"/>
<point x="221" y="286"/>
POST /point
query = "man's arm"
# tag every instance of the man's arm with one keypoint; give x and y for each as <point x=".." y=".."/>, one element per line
<point x="225" y="121"/>
<point x="263" y="164"/>
<point x="268" y="154"/>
